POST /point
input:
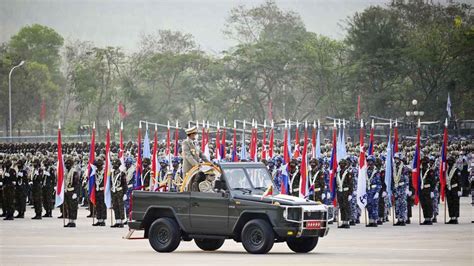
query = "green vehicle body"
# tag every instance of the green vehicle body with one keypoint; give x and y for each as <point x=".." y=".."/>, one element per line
<point x="223" y="215"/>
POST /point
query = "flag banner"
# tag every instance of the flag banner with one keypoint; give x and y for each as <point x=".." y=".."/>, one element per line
<point x="448" y="106"/>
<point x="389" y="167"/>
<point x="154" y="161"/>
<point x="416" y="168"/>
<point x="146" y="146"/>
<point x="333" y="167"/>
<point x="176" y="142"/>
<point x="304" y="184"/>
<point x="108" y="171"/>
<point x="371" y="140"/>
<point x="270" y="149"/>
<point x="59" y="198"/>
<point x="318" y="144"/>
<point x="362" y="175"/>
<point x="138" y="168"/>
<point x="223" y="150"/>
<point x="264" y="145"/>
<point x="234" y="147"/>
<point x="91" y="169"/>
<point x="243" y="148"/>
<point x="443" y="165"/>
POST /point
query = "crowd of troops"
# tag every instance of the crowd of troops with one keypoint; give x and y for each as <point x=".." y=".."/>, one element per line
<point x="28" y="176"/>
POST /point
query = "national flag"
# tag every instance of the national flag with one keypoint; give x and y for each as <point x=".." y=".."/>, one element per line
<point x="168" y="141"/>
<point x="443" y="166"/>
<point x="318" y="142"/>
<point x="108" y="170"/>
<point x="362" y="175"/>
<point x="270" y="149"/>
<point x="203" y="137"/>
<point x="285" y="179"/>
<point x="206" y="152"/>
<point x="253" y="143"/>
<point x="388" y="165"/>
<point x="333" y="166"/>
<point x="91" y="168"/>
<point x="371" y="140"/>
<point x="59" y="196"/>
<point x="448" y="106"/>
<point x="313" y="141"/>
<point x="304" y="180"/>
<point x="341" y="151"/>
<point x="416" y="180"/>
<point x="138" y="168"/>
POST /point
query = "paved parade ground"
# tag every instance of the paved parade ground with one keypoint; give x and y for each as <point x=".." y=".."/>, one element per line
<point x="45" y="242"/>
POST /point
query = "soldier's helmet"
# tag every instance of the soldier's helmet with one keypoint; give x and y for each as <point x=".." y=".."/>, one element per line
<point x="371" y="158"/>
<point x="398" y="155"/>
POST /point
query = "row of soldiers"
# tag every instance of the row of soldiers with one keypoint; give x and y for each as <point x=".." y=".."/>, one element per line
<point x="376" y="198"/>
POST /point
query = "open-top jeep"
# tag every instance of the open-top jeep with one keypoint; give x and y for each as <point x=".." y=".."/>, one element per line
<point x="235" y="208"/>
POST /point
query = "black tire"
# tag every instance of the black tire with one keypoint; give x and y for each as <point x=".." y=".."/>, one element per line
<point x="164" y="235"/>
<point x="257" y="236"/>
<point x="209" y="244"/>
<point x="302" y="245"/>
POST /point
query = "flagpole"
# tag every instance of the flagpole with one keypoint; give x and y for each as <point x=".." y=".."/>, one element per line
<point x="443" y="164"/>
<point x="419" y="173"/>
<point x="62" y="161"/>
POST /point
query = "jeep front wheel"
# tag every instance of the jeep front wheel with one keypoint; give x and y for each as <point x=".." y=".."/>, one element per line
<point x="164" y="235"/>
<point x="209" y="244"/>
<point x="302" y="245"/>
<point x="257" y="236"/>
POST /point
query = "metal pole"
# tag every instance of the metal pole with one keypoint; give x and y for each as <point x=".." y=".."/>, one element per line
<point x="10" y="96"/>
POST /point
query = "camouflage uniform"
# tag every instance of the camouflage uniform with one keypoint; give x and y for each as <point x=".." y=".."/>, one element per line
<point x="400" y="186"/>
<point x="374" y="185"/>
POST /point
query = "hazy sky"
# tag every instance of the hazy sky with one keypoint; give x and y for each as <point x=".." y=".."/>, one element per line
<point x="121" y="22"/>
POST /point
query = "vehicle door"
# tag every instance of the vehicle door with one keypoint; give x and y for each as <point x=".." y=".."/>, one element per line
<point x="209" y="213"/>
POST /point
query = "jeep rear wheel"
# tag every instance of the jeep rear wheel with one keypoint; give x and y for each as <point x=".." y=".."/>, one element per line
<point x="164" y="235"/>
<point x="302" y="245"/>
<point x="209" y="244"/>
<point x="257" y="236"/>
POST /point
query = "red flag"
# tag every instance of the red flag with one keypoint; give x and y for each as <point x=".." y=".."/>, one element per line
<point x="176" y="139"/>
<point x="371" y="139"/>
<point x="138" y="169"/>
<point x="59" y="198"/>
<point x="223" y="150"/>
<point x="218" y="145"/>
<point x="121" y="149"/>
<point x="203" y="137"/>
<point x="235" y="158"/>
<point x="270" y="150"/>
<point x="395" y="138"/>
<point x="253" y="144"/>
<point x="121" y="110"/>
<point x="89" y="168"/>
<point x="416" y="167"/>
<point x="43" y="110"/>
<point x="443" y="166"/>
<point x="304" y="167"/>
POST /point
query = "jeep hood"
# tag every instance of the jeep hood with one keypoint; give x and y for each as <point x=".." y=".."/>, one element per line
<point x="280" y="198"/>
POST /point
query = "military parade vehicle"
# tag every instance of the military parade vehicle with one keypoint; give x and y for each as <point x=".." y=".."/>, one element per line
<point x="228" y="201"/>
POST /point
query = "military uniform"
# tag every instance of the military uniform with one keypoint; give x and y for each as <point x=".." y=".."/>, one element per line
<point x="427" y="193"/>
<point x="382" y="198"/>
<point x="355" y="210"/>
<point x="9" y="182"/>
<point x="130" y="179"/>
<point x="344" y="195"/>
<point x="49" y="181"/>
<point x="21" y="192"/>
<point x="119" y="187"/>
<point x="435" y="199"/>
<point x="101" y="210"/>
<point x="374" y="184"/>
<point x="37" y="191"/>
<point x="295" y="182"/>
<point x="190" y="153"/>
<point x="453" y="192"/>
<point x="400" y="187"/>
<point x="317" y="180"/>
<point x="71" y="194"/>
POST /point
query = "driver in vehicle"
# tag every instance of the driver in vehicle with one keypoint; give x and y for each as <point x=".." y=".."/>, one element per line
<point x="208" y="184"/>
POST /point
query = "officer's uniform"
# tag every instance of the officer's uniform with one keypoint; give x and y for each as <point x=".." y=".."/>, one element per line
<point x="71" y="195"/>
<point x="453" y="191"/>
<point x="295" y="182"/>
<point x="119" y="187"/>
<point x="435" y="199"/>
<point x="355" y="210"/>
<point x="191" y="155"/>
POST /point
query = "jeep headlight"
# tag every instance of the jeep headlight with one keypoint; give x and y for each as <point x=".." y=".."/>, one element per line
<point x="293" y="214"/>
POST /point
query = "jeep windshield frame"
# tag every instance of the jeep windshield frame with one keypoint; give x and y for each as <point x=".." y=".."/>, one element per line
<point x="247" y="178"/>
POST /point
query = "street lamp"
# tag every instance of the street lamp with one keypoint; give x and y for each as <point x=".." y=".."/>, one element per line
<point x="415" y="113"/>
<point x="10" y="95"/>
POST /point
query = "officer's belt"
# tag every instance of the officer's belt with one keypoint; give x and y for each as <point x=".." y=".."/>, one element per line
<point x="69" y="189"/>
<point x="373" y="186"/>
<point x="427" y="186"/>
<point x="344" y="189"/>
<point x="317" y="189"/>
<point x="100" y="189"/>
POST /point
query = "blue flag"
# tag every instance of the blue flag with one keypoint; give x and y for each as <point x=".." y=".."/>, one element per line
<point x="146" y="146"/>
<point x="388" y="167"/>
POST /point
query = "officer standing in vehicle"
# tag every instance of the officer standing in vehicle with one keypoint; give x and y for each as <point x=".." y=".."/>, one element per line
<point x="191" y="154"/>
